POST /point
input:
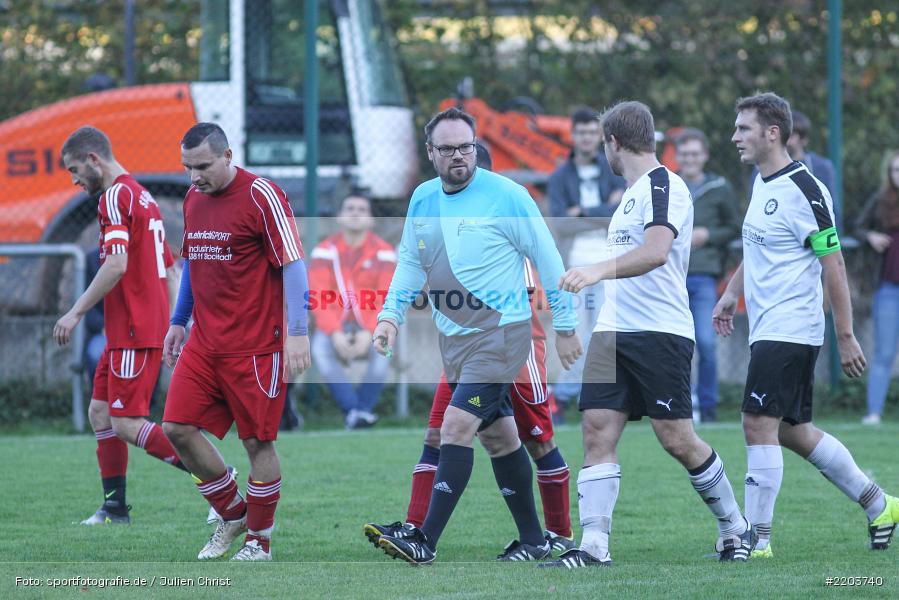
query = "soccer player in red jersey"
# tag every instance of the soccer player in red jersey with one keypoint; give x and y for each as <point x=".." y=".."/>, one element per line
<point x="133" y="281"/>
<point x="243" y="263"/>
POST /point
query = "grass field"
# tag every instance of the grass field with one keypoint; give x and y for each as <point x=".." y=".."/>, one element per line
<point x="336" y="481"/>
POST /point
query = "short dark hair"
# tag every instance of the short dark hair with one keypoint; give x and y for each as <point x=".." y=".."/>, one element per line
<point x="688" y="135"/>
<point x="484" y="160"/>
<point x="771" y="111"/>
<point x="583" y="114"/>
<point x="450" y="114"/>
<point x="802" y="125"/>
<point x="632" y="125"/>
<point x="355" y="193"/>
<point x="86" y="140"/>
<point x="206" y="132"/>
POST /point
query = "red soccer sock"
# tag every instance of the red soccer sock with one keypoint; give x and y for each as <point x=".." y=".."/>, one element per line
<point x="153" y="441"/>
<point x="262" y="500"/>
<point x="422" y="482"/>
<point x="112" y="454"/>
<point x="554" y="493"/>
<point x="221" y="492"/>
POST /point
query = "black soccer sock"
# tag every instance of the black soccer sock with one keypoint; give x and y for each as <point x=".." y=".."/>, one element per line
<point x="514" y="478"/>
<point x="453" y="472"/>
<point x="114" y="495"/>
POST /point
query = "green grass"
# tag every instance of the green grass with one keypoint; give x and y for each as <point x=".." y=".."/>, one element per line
<point x="335" y="481"/>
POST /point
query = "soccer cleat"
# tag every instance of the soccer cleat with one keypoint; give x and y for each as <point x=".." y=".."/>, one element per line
<point x="518" y="551"/>
<point x="413" y="548"/>
<point x="373" y="531"/>
<point x="252" y="550"/>
<point x="881" y="529"/>
<point x="737" y="547"/>
<point x="212" y="516"/>
<point x="104" y="517"/>
<point x="576" y="558"/>
<point x="560" y="543"/>
<point x="766" y="552"/>
<point x="221" y="539"/>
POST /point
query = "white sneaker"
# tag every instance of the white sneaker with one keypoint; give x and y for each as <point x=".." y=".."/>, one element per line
<point x="221" y="539"/>
<point x="872" y="419"/>
<point x="252" y="550"/>
<point x="212" y="517"/>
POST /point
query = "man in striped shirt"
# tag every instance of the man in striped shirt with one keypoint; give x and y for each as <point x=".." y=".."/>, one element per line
<point x="243" y="259"/>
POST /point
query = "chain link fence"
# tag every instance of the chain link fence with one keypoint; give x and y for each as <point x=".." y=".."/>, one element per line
<point x="250" y="80"/>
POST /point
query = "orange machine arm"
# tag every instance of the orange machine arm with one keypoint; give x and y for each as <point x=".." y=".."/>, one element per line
<point x="515" y="140"/>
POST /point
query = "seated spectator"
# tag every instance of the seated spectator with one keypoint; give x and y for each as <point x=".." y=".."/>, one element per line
<point x="348" y="271"/>
<point x="878" y="225"/>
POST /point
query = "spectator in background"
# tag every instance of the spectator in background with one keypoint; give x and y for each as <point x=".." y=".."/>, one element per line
<point x="878" y="224"/>
<point x="583" y="186"/>
<point x="348" y="270"/>
<point x="716" y="221"/>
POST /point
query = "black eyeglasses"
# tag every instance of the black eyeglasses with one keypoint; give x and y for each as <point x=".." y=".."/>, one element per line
<point x="450" y="150"/>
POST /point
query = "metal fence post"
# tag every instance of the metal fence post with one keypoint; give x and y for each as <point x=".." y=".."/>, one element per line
<point x="402" y="379"/>
<point x="79" y="276"/>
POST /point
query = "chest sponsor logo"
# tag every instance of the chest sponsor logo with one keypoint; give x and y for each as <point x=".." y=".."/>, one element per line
<point x="770" y="206"/>
<point x="629" y="206"/>
<point x="753" y="234"/>
<point x="619" y="237"/>
<point x="209" y="245"/>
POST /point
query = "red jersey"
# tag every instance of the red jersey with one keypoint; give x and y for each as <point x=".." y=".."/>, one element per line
<point x="237" y="240"/>
<point x="136" y="310"/>
<point x="349" y="283"/>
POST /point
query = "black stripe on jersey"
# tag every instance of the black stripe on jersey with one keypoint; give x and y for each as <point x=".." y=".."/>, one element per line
<point x="812" y="192"/>
<point x="660" y="187"/>
<point x="793" y="165"/>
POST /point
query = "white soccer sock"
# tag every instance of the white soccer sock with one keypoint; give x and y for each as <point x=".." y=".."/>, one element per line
<point x="837" y="465"/>
<point x="715" y="490"/>
<point x="597" y="488"/>
<point x="764" y="473"/>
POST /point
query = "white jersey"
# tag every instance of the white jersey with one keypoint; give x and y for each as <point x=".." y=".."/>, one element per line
<point x="781" y="272"/>
<point x="657" y="300"/>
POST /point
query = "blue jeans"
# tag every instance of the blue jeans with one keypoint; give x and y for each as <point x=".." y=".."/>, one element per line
<point x="363" y="396"/>
<point x="886" y="336"/>
<point x="703" y="296"/>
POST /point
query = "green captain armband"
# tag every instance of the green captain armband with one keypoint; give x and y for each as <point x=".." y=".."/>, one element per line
<point x="825" y="242"/>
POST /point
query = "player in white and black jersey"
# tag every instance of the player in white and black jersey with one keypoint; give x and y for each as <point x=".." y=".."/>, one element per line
<point x="638" y="361"/>
<point x="788" y="239"/>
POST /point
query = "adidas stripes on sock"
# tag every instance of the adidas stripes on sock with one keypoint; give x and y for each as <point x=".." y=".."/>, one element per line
<point x="836" y="464"/>
<point x="710" y="481"/>
<point x="764" y="474"/>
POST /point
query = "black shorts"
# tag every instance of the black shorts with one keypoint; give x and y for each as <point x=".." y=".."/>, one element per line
<point x="780" y="380"/>
<point x="644" y="373"/>
<point x="480" y="368"/>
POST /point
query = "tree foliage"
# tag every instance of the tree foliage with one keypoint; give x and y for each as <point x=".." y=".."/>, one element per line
<point x="689" y="61"/>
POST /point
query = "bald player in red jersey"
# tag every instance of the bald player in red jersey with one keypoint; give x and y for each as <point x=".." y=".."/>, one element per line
<point x="133" y="281"/>
<point x="243" y="263"/>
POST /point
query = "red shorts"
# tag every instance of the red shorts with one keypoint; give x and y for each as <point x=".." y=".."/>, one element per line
<point x="213" y="392"/>
<point x="125" y="378"/>
<point x="528" y="394"/>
